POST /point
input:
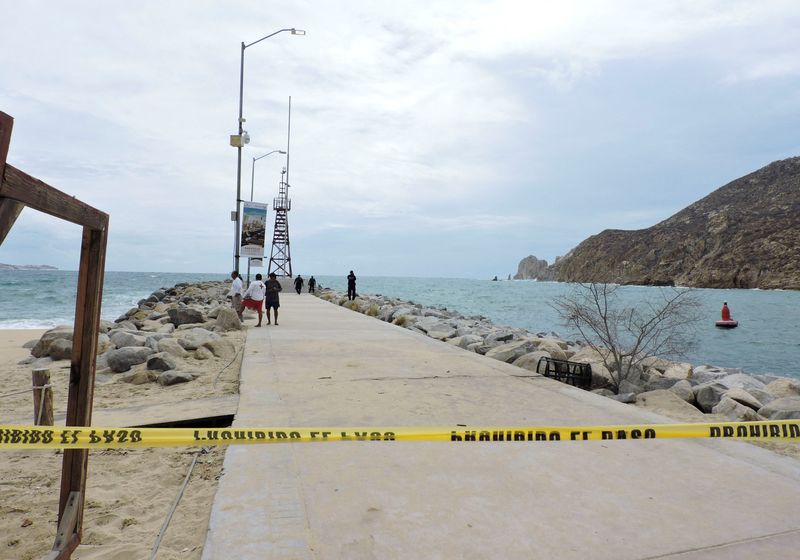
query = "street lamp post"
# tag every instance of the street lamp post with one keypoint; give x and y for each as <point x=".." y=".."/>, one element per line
<point x="252" y="184"/>
<point x="241" y="139"/>
<point x="253" y="171"/>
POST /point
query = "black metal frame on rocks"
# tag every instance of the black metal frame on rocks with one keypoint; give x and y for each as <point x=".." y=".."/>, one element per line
<point x="17" y="191"/>
<point x="572" y="373"/>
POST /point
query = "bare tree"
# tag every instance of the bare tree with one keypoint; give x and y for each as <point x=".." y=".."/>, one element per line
<point x="625" y="335"/>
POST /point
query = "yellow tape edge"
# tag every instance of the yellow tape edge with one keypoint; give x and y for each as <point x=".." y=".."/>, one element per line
<point x="52" y="437"/>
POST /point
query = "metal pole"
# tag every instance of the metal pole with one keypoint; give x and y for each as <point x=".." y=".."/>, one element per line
<point x="288" y="138"/>
<point x="253" y="177"/>
<point x="239" y="165"/>
<point x="253" y="171"/>
<point x="252" y="182"/>
<point x="239" y="147"/>
<point x="235" y="241"/>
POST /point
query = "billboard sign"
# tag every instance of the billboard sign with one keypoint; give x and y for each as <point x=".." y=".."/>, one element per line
<point x="254" y="229"/>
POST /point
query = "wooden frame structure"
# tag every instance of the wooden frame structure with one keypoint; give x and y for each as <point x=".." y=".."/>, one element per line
<point x="17" y="191"/>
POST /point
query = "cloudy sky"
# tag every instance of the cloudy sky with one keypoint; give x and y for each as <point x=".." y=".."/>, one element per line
<point x="429" y="138"/>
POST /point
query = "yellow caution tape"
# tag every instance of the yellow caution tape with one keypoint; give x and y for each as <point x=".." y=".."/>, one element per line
<point x="51" y="437"/>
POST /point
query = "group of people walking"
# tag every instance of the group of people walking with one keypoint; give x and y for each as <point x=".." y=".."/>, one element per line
<point x="261" y="294"/>
<point x="298" y="284"/>
<point x="258" y="295"/>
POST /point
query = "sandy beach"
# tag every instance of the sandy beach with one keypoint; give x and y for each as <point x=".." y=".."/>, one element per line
<point x="130" y="492"/>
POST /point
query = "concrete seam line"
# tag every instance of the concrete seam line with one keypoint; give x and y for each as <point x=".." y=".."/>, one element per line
<point x="721" y="545"/>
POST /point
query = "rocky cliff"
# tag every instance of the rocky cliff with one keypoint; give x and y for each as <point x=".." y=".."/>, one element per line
<point x="743" y="235"/>
<point x="531" y="268"/>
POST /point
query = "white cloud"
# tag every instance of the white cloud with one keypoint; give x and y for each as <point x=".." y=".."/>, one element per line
<point x="779" y="66"/>
<point x="428" y="115"/>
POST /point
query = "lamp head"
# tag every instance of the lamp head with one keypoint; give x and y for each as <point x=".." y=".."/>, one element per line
<point x="298" y="31"/>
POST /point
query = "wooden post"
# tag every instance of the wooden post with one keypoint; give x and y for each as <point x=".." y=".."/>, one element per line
<point x="10" y="209"/>
<point x="42" y="398"/>
<point x="18" y="190"/>
<point x="81" y="376"/>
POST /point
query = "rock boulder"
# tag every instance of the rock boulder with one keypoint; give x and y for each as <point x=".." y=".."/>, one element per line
<point x="465" y="340"/>
<point x="784" y="408"/>
<point x="530" y="361"/>
<point x="658" y="381"/>
<point x="123" y="358"/>
<point x="42" y="348"/>
<point x="185" y="316"/>
<point x="192" y="339"/>
<point x="138" y="377"/>
<point x="741" y="381"/>
<point x="669" y="404"/>
<point x="734" y="410"/>
<point x="61" y="349"/>
<point x="173" y="377"/>
<point x="552" y="348"/>
<point x="203" y="353"/>
<point x="121" y="339"/>
<point x="707" y="395"/>
<point x="678" y="371"/>
<point x="684" y="390"/>
<point x="172" y="346"/>
<point x="227" y="320"/>
<point x="744" y="398"/>
<point x="783" y="388"/>
<point x="511" y="351"/>
<point x="221" y="348"/>
<point x="162" y="361"/>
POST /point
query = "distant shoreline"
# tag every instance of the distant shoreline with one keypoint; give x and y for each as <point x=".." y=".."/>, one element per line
<point x="4" y="266"/>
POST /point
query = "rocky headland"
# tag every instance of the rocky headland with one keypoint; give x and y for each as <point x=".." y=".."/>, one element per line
<point x="745" y="234"/>
<point x="679" y="390"/>
<point x="531" y="268"/>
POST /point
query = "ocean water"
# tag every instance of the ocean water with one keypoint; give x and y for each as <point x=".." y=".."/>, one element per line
<point x="35" y="299"/>
<point x="767" y="340"/>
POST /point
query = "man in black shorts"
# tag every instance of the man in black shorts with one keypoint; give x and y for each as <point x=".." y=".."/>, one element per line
<point x="271" y="298"/>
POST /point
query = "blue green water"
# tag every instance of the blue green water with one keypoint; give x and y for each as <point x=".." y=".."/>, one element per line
<point x="34" y="299"/>
<point x="767" y="340"/>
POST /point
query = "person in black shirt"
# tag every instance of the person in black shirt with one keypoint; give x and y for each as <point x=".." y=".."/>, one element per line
<point x="271" y="299"/>
<point x="351" y="286"/>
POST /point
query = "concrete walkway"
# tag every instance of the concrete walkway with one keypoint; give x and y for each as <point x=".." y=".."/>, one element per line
<point x="328" y="366"/>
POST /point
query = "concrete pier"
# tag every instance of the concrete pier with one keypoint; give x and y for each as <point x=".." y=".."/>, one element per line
<point x="328" y="366"/>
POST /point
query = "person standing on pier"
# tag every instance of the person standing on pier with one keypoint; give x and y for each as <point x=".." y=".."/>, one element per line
<point x="312" y="285"/>
<point x="254" y="297"/>
<point x="351" y="286"/>
<point x="271" y="299"/>
<point x="235" y="293"/>
<point x="298" y="284"/>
